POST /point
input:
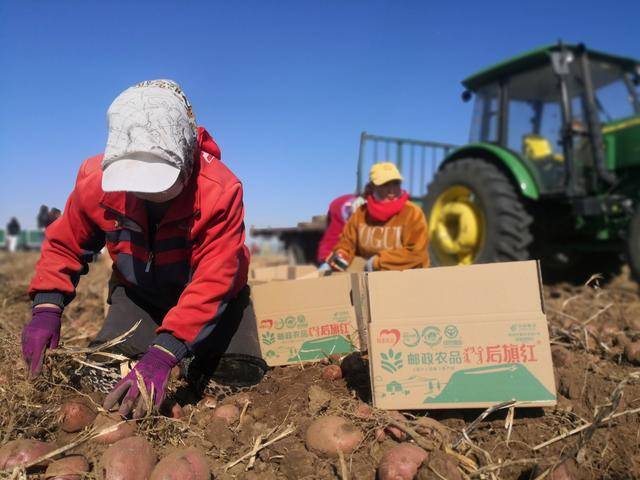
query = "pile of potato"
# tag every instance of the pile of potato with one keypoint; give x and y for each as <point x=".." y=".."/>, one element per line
<point x="127" y="456"/>
<point x="331" y="436"/>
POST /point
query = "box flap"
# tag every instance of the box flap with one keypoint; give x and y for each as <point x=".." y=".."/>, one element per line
<point x="283" y="272"/>
<point x="279" y="297"/>
<point x="497" y="288"/>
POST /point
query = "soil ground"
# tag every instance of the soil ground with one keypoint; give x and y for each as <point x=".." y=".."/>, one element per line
<point x="590" y="326"/>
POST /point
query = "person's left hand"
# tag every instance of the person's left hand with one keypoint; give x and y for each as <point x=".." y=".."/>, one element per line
<point x="337" y="262"/>
<point x="42" y="332"/>
<point x="154" y="367"/>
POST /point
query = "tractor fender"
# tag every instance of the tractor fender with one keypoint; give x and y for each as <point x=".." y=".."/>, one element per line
<point x="519" y="170"/>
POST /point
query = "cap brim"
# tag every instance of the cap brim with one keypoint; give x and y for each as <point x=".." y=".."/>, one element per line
<point x="128" y="175"/>
<point x="381" y="181"/>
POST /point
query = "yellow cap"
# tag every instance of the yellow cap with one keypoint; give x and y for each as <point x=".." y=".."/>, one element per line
<point x="384" y="172"/>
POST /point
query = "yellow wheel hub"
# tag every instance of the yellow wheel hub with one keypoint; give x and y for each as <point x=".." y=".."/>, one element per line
<point x="456" y="226"/>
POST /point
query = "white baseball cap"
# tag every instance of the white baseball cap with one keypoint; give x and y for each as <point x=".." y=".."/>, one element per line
<point x="152" y="136"/>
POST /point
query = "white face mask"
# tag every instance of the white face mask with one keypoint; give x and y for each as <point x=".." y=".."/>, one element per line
<point x="162" y="197"/>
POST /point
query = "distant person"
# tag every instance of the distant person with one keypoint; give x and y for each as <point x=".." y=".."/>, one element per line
<point x="13" y="234"/>
<point x="172" y="217"/>
<point x="389" y="231"/>
<point x="54" y="214"/>
<point x="340" y="210"/>
<point x="43" y="217"/>
<point x="255" y="249"/>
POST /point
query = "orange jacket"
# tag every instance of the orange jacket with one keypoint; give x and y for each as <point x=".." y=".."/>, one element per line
<point x="399" y="244"/>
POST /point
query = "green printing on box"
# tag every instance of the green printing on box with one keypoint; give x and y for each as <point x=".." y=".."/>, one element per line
<point x="496" y="383"/>
<point x="320" y="348"/>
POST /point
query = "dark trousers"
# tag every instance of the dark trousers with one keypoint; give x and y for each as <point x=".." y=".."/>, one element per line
<point x="235" y="333"/>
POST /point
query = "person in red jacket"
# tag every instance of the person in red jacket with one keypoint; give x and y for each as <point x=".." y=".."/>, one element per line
<point x="171" y="215"/>
<point x="340" y="209"/>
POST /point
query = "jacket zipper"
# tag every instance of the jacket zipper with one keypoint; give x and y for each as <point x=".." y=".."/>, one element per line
<point x="152" y="236"/>
<point x="149" y="262"/>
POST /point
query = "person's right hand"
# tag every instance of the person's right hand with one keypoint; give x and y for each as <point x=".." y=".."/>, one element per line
<point x="42" y="332"/>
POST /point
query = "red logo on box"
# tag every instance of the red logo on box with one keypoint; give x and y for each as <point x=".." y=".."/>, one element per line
<point x="392" y="336"/>
<point x="266" y="324"/>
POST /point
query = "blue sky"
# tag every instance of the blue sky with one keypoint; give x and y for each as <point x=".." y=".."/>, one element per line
<point x="285" y="87"/>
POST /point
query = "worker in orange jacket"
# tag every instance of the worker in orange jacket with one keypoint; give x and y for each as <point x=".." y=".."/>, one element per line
<point x="389" y="231"/>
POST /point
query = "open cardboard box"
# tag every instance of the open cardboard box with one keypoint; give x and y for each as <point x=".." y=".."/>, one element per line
<point x="458" y="337"/>
<point x="305" y="320"/>
<point x="448" y="337"/>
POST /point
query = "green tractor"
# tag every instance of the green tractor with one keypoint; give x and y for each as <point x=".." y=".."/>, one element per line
<point x="552" y="170"/>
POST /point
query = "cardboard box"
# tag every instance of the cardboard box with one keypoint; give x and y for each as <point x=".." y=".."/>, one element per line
<point x="282" y="272"/>
<point x="305" y="320"/>
<point x="457" y="337"/>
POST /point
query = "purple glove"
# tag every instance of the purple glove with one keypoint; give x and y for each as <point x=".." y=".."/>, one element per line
<point x="42" y="332"/>
<point x="154" y="367"/>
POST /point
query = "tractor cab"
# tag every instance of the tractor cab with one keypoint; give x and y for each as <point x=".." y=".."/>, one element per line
<point x="553" y="108"/>
<point x="552" y="170"/>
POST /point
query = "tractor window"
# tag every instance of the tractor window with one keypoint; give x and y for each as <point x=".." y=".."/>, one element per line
<point x="535" y="124"/>
<point x="534" y="133"/>
<point x="484" y="122"/>
<point x="613" y="98"/>
<point x="614" y="101"/>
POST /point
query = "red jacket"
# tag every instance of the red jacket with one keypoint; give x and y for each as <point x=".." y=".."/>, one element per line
<point x="340" y="210"/>
<point x="196" y="262"/>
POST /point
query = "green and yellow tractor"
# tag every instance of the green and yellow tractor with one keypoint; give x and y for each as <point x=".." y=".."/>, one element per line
<point x="552" y="169"/>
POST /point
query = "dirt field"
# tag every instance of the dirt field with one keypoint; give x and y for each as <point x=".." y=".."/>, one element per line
<point x="590" y="327"/>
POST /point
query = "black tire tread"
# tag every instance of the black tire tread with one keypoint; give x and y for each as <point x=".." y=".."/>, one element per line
<point x="511" y="239"/>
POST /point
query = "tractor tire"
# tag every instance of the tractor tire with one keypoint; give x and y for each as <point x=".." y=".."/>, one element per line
<point x="500" y="215"/>
<point x="633" y="246"/>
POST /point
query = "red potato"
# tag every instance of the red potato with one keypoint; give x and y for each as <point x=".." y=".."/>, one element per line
<point x="229" y="413"/>
<point x="104" y="421"/>
<point x="632" y="352"/>
<point x="22" y="452"/>
<point x="363" y="410"/>
<point x="401" y="462"/>
<point x="331" y="373"/>
<point x="327" y="435"/>
<point x="172" y="409"/>
<point x="176" y="411"/>
<point x="395" y="432"/>
<point x="67" y="468"/>
<point x="131" y="458"/>
<point x="208" y="402"/>
<point x="75" y="414"/>
<point x="380" y="435"/>
<point x="189" y="464"/>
